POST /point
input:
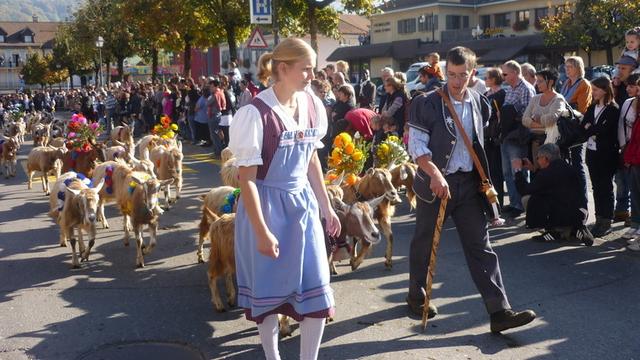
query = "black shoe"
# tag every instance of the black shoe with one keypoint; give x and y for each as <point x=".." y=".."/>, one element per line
<point x="545" y="237"/>
<point x="584" y="235"/>
<point x="512" y="212"/>
<point x="601" y="229"/>
<point x="416" y="308"/>
<point x="619" y="216"/>
<point x="509" y="319"/>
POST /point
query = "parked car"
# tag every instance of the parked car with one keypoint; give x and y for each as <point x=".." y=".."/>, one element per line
<point x="598" y="71"/>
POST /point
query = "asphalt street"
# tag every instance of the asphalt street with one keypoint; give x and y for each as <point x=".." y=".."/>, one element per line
<point x="587" y="299"/>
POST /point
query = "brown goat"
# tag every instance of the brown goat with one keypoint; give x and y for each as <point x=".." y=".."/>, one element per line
<point x="403" y="175"/>
<point x="84" y="162"/>
<point x="123" y="136"/>
<point x="376" y="182"/>
<point x="222" y="259"/>
<point x="213" y="202"/>
<point x="44" y="159"/>
<point x="57" y="142"/>
<point x="136" y="194"/>
<point x="40" y="134"/>
<point x="8" y="156"/>
<point x="78" y="211"/>
<point x="168" y="165"/>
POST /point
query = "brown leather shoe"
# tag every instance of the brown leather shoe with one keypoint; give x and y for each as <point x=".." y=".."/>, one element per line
<point x="619" y="216"/>
<point x="509" y="319"/>
<point x="416" y="308"/>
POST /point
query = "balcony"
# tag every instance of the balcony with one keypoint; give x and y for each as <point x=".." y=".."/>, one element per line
<point x="455" y="35"/>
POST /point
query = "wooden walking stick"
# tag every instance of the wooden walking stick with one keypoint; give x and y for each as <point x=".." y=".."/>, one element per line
<point x="432" y="261"/>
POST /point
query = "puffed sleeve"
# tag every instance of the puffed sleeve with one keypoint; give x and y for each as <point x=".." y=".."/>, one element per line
<point x="322" y="122"/>
<point x="245" y="136"/>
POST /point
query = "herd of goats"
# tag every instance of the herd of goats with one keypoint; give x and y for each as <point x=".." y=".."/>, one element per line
<point x="133" y="174"/>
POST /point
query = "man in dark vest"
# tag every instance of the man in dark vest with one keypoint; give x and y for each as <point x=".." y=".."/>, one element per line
<point x="446" y="169"/>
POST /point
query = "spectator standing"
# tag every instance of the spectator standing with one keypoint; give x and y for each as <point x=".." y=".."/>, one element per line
<point x="395" y="103"/>
<point x="495" y="95"/>
<point x="201" y="119"/>
<point x="529" y="73"/>
<point x="381" y="93"/>
<point x="229" y="110"/>
<point x="366" y="91"/>
<point x="245" y="95"/>
<point x="625" y="66"/>
<point x="110" y="107"/>
<point x="601" y="125"/>
<point x="514" y="144"/>
<point x="477" y="84"/>
<point x="624" y="182"/>
<point x="216" y="103"/>
<point x="577" y="91"/>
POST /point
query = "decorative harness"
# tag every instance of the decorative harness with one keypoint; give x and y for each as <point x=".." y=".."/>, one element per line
<point x="76" y="177"/>
<point x="108" y="179"/>
<point x="229" y="201"/>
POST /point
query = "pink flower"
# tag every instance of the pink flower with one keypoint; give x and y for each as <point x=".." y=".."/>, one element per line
<point x="74" y="117"/>
<point x="82" y="120"/>
<point x="94" y="126"/>
<point x="72" y="135"/>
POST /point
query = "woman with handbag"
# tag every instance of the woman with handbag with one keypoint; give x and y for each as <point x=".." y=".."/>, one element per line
<point x="495" y="95"/>
<point x="543" y="111"/>
<point x="601" y="125"/>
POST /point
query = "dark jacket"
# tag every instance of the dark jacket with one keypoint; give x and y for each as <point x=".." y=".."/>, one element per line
<point x="555" y="196"/>
<point x="428" y="113"/>
<point x="605" y="130"/>
<point x="366" y="94"/>
<point x="492" y="132"/>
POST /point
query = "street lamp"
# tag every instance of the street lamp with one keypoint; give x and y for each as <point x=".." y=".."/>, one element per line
<point x="99" y="45"/>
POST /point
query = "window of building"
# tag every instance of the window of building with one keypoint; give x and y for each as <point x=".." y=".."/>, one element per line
<point x="465" y="22"/>
<point x="540" y="13"/>
<point x="1" y="38"/>
<point x="522" y="16"/>
<point x="453" y="22"/>
<point x="407" y="26"/>
<point x="485" y="21"/>
<point x="502" y="20"/>
<point x="428" y="22"/>
<point x="28" y="39"/>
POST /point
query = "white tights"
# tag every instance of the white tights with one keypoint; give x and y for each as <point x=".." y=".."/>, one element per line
<point x="311" y="330"/>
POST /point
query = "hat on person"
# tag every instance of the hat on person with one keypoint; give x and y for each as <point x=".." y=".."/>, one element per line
<point x="627" y="60"/>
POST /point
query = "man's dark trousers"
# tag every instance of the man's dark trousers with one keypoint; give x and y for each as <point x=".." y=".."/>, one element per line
<point x="467" y="210"/>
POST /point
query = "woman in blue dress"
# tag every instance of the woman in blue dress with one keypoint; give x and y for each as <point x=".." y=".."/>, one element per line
<point x="281" y="260"/>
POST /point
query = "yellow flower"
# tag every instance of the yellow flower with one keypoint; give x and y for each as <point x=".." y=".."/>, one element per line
<point x="384" y="148"/>
<point x="337" y="142"/>
<point x="393" y="138"/>
<point x="346" y="139"/>
<point x="349" y="148"/>
<point x="336" y="154"/>
<point x="332" y="176"/>
<point x="357" y="155"/>
<point x="170" y="134"/>
<point x="174" y="127"/>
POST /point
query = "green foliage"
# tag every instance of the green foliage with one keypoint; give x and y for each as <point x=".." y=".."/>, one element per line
<point x="35" y="69"/>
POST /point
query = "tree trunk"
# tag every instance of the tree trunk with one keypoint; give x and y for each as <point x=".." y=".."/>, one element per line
<point x="108" y="63"/>
<point x="231" y="41"/>
<point x="120" y="68"/>
<point x="154" y="64"/>
<point x="609" y="55"/>
<point x="313" y="27"/>
<point x="70" y="78"/>
<point x="187" y="57"/>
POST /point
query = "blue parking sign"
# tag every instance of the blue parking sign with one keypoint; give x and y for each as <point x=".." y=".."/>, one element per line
<point x="261" y="11"/>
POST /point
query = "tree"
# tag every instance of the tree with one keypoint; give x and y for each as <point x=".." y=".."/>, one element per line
<point x="35" y="69"/>
<point x="234" y="16"/>
<point x="592" y="25"/>
<point x="69" y="53"/>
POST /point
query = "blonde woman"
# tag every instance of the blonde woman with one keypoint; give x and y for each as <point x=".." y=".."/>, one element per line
<point x="281" y="259"/>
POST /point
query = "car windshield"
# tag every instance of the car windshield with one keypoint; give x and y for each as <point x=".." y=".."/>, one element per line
<point x="412" y="74"/>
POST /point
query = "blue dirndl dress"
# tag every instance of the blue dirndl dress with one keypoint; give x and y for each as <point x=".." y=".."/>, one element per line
<point x="297" y="282"/>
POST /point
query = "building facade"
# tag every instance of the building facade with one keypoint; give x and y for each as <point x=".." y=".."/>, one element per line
<point x="17" y="41"/>
<point x="497" y="30"/>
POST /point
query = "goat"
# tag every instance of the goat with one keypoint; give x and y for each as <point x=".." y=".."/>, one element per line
<point x="57" y="142"/>
<point x="8" y="154"/>
<point x="136" y="194"/>
<point x="40" y="134"/>
<point x="117" y="152"/>
<point x="73" y="205"/>
<point x="222" y="259"/>
<point x="114" y="173"/>
<point x="214" y="201"/>
<point x="45" y="159"/>
<point x="376" y="182"/>
<point x="403" y="175"/>
<point x="83" y="162"/>
<point x="168" y="165"/>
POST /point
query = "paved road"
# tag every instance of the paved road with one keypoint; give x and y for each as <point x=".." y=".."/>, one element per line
<point x="588" y="299"/>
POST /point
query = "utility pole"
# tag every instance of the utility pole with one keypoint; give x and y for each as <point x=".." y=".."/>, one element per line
<point x="274" y="11"/>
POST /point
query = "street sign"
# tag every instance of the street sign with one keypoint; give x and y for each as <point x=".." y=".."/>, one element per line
<point x="257" y="40"/>
<point x="260" y="11"/>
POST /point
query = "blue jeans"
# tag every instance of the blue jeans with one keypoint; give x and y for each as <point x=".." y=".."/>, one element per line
<point x="510" y="151"/>
<point x="577" y="162"/>
<point x="625" y="196"/>
<point x="214" y="127"/>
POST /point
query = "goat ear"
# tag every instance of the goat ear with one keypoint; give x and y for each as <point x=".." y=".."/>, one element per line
<point x="370" y="171"/>
<point x="98" y="187"/>
<point x="403" y="172"/>
<point x="339" y="205"/>
<point x="375" y="202"/>
<point x="74" y="191"/>
<point x="210" y="214"/>
<point x="180" y="146"/>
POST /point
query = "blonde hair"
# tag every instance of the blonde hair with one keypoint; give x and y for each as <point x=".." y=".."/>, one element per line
<point x="400" y="76"/>
<point x="289" y="51"/>
<point x="577" y="62"/>
<point x="343" y="67"/>
<point x="395" y="82"/>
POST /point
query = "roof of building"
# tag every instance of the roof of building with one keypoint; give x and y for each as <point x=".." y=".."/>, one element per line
<point x="42" y="31"/>
<point x="394" y="5"/>
<point x="353" y="24"/>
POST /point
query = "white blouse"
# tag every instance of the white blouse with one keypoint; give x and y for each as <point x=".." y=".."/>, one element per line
<point x="245" y="132"/>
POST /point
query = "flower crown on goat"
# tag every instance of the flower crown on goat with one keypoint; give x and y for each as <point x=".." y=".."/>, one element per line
<point x="81" y="134"/>
<point x="166" y="129"/>
<point x="347" y="157"/>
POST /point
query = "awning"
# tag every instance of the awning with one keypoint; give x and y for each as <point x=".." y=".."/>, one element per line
<point x="361" y="52"/>
<point x="500" y="55"/>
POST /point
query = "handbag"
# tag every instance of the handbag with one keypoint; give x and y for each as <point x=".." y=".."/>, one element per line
<point x="570" y="127"/>
<point x="486" y="188"/>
